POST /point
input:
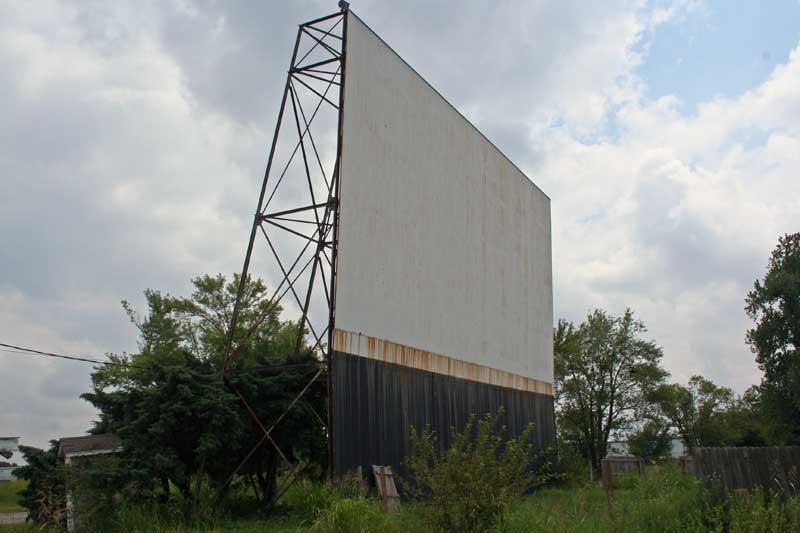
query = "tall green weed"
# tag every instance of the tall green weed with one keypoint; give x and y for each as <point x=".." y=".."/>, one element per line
<point x="477" y="479"/>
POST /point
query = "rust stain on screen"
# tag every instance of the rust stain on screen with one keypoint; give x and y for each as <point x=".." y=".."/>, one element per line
<point x="392" y="352"/>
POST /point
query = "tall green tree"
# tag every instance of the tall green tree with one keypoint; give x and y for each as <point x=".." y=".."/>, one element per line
<point x="774" y="305"/>
<point x="179" y="423"/>
<point x="697" y="411"/>
<point x="604" y="372"/>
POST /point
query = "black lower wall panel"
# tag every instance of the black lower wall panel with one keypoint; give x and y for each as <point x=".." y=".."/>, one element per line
<point x="376" y="404"/>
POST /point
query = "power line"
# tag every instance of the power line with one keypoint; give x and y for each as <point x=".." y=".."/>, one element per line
<point x="30" y="351"/>
<point x="22" y="350"/>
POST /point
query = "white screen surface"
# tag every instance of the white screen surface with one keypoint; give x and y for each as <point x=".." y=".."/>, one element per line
<point x="443" y="244"/>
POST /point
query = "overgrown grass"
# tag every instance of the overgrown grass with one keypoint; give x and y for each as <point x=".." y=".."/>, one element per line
<point x="8" y="496"/>
<point x="319" y="508"/>
<point x="662" y="501"/>
<point x="559" y="509"/>
<point x="9" y="504"/>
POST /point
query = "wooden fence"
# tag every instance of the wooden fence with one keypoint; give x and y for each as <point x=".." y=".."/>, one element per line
<point x="622" y="464"/>
<point x="771" y="468"/>
<point x="614" y="466"/>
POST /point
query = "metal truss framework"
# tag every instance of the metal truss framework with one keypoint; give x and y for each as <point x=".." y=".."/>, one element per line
<point x="298" y="210"/>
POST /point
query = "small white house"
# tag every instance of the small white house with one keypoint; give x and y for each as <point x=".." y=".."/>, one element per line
<point x="8" y="447"/>
<point x="72" y="448"/>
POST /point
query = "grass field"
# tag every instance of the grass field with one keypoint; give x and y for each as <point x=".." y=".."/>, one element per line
<point x="549" y="510"/>
<point x="660" y="502"/>
<point x="8" y="496"/>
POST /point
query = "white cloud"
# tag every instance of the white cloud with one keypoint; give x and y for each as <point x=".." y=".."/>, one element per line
<point x="677" y="217"/>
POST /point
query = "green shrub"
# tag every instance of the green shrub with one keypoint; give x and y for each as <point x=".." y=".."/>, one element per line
<point x="471" y="484"/>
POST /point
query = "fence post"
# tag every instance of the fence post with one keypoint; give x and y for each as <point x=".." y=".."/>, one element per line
<point x="608" y="483"/>
<point x="686" y="464"/>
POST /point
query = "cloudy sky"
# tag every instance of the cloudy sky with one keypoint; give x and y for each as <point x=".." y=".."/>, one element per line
<point x="133" y="138"/>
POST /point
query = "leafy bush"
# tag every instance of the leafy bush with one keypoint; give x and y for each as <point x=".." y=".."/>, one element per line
<point x="471" y="484"/>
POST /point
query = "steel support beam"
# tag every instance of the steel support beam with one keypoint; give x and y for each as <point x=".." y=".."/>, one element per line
<point x="319" y="233"/>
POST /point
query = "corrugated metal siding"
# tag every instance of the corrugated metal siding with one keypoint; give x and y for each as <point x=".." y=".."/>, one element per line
<point x="376" y="403"/>
<point x="392" y="352"/>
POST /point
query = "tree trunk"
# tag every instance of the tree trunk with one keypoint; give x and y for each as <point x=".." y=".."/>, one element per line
<point x="164" y="497"/>
<point x="267" y="474"/>
<point x="596" y="459"/>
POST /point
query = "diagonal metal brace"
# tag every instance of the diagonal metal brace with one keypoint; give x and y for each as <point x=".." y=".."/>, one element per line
<point x="267" y="432"/>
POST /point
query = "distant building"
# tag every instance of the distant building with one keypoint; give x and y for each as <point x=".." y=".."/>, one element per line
<point x="620" y="447"/>
<point x="71" y="447"/>
<point x="8" y="447"/>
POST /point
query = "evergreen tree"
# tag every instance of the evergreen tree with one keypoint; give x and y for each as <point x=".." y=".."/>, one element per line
<point x="179" y="423"/>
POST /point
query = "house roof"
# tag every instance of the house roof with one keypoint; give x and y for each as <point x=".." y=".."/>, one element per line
<point x="107" y="442"/>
